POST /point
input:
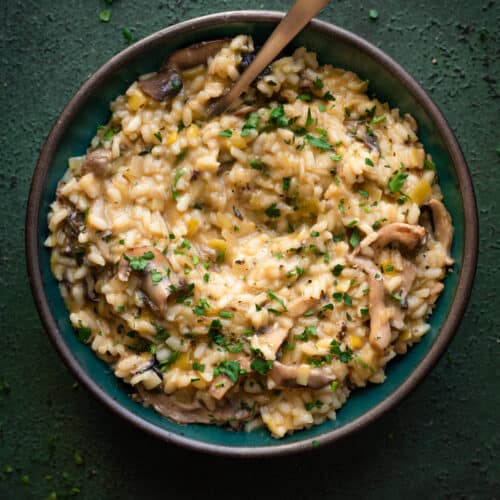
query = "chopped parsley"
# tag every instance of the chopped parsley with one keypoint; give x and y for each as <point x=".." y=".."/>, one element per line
<point x="396" y="182"/>
<point x="206" y="277"/>
<point x="337" y="269"/>
<point x="318" y="83"/>
<point x="198" y="367"/>
<point x="310" y="406"/>
<point x="318" y="142"/>
<point x="378" y="119"/>
<point x="429" y="165"/>
<point x="309" y="120"/>
<point x="286" y="183"/>
<point x="277" y="116"/>
<point x="364" y="194"/>
<point x="158" y="136"/>
<point x="373" y="14"/>
<point x="344" y="356"/>
<point x="309" y="331"/>
<point x="226" y="133"/>
<point x="355" y="238"/>
<point x="178" y="175"/>
<point x="83" y="333"/>
<point x="261" y="366"/>
<point x="273" y="211"/>
<point x="156" y="277"/>
<point x="369" y="162"/>
<point x="251" y="123"/>
<point x="226" y="314"/>
<point x="273" y="296"/>
<point x="335" y="157"/>
<point x="231" y="369"/>
<point x="105" y="15"/>
<point x="139" y="263"/>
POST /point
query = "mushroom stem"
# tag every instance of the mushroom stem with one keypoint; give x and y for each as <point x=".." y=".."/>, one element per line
<point x="443" y="228"/>
<point x="155" y="282"/>
<point x="286" y="376"/>
<point x="380" y="315"/>
<point x="168" y="81"/>
<point x="408" y="235"/>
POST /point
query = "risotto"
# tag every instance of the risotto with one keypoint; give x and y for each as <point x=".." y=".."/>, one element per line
<point x="250" y="269"/>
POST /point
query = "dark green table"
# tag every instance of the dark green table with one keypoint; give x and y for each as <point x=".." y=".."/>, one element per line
<point x="441" y="442"/>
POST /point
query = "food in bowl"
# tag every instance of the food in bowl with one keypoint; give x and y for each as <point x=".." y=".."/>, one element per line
<point x="253" y="268"/>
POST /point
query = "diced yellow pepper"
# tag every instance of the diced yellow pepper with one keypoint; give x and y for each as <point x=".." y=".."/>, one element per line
<point x="406" y="335"/>
<point x="388" y="267"/>
<point x="218" y="244"/>
<point x="192" y="226"/>
<point x="172" y="137"/>
<point x="183" y="362"/>
<point x="420" y="192"/>
<point x="136" y="100"/>
<point x="192" y="131"/>
<point x="355" y="341"/>
<point x="238" y="142"/>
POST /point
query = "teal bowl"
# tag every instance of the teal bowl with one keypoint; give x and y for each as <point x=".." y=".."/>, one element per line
<point x="389" y="82"/>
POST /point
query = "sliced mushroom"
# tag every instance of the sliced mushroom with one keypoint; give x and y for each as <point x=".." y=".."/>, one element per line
<point x="222" y="383"/>
<point x="193" y="411"/>
<point x="168" y="81"/>
<point x="408" y="235"/>
<point x="380" y="315"/>
<point x="270" y="341"/>
<point x="286" y="376"/>
<point x="96" y="162"/>
<point x="443" y="228"/>
<point x="300" y="305"/>
<point x="158" y="290"/>
<point x="408" y="278"/>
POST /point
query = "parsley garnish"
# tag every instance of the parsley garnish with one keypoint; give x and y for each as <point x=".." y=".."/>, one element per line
<point x="273" y="211"/>
<point x="251" y="123"/>
<point x="261" y="365"/>
<point x="139" y="263"/>
<point x="343" y="356"/>
<point x="273" y="296"/>
<point x="318" y="142"/>
<point x="231" y="369"/>
<point x="337" y="269"/>
<point x="396" y="182"/>
<point x="286" y="183"/>
<point x="83" y="333"/>
<point x="226" y="314"/>
<point x="226" y="133"/>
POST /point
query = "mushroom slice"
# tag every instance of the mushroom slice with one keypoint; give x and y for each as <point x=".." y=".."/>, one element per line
<point x="289" y="376"/>
<point x="168" y="81"/>
<point x="408" y="235"/>
<point x="270" y="341"/>
<point x="222" y="383"/>
<point x="152" y="266"/>
<point x="443" y="228"/>
<point x="380" y="315"/>
<point x="96" y="161"/>
<point x="407" y="279"/>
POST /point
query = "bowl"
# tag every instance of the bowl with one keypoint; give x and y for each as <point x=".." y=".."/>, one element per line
<point x="75" y="128"/>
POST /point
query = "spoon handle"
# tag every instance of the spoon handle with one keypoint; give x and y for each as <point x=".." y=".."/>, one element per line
<point x="297" y="17"/>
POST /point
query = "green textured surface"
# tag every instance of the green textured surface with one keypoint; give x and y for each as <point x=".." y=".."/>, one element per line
<point x="443" y="440"/>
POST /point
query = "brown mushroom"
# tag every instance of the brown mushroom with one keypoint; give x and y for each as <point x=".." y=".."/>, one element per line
<point x="192" y="411"/>
<point x="168" y="81"/>
<point x="222" y="383"/>
<point x="286" y="376"/>
<point x="147" y="262"/>
<point x="96" y="162"/>
<point x="380" y="315"/>
<point x="442" y="227"/>
<point x="408" y="277"/>
<point x="408" y="235"/>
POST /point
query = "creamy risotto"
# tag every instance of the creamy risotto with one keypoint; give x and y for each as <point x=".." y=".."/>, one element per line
<point x="250" y="269"/>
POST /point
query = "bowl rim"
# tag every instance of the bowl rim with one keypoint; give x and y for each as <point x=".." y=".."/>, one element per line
<point x="448" y="328"/>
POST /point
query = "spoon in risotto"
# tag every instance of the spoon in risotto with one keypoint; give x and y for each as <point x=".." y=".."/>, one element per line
<point x="297" y="17"/>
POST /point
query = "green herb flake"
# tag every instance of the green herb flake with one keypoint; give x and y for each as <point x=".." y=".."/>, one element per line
<point x="226" y="314"/>
<point x="273" y="296"/>
<point x="226" y="133"/>
<point x="277" y="116"/>
<point x="373" y="14"/>
<point x="310" y="119"/>
<point x="83" y="333"/>
<point x="318" y="142"/>
<point x="364" y="194"/>
<point x="396" y="182"/>
<point x="305" y="97"/>
<point x="286" y="183"/>
<point x="105" y="15"/>
<point x="78" y="459"/>
<point x="158" y="136"/>
<point x="251" y="123"/>
<point x="334" y="385"/>
<point x="231" y="369"/>
<point x="344" y="356"/>
<point x="206" y="277"/>
<point x="198" y="367"/>
<point x="139" y="264"/>
<point x="127" y="35"/>
<point x="261" y="366"/>
<point x="318" y="83"/>
<point x="355" y="238"/>
<point x="378" y="119"/>
<point x="369" y="162"/>
<point x="347" y="300"/>
<point x="429" y="165"/>
<point x="337" y="269"/>
<point x="273" y="211"/>
<point x="336" y="157"/>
